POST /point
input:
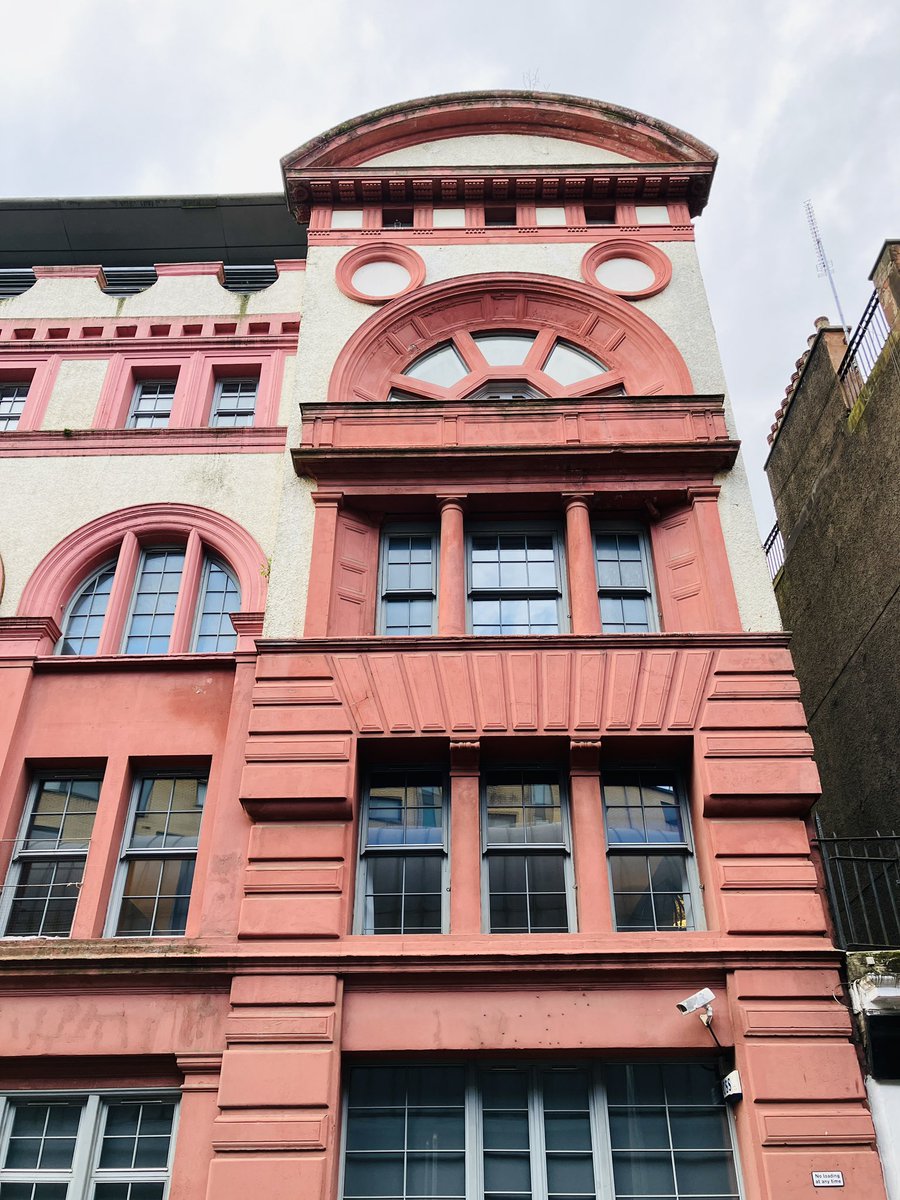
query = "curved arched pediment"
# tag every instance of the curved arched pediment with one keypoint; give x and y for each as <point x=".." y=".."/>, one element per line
<point x="635" y="352"/>
<point x="82" y="551"/>
<point x="625" y="134"/>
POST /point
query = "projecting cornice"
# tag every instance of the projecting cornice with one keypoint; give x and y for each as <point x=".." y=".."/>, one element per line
<point x="651" y="183"/>
<point x="638" y="157"/>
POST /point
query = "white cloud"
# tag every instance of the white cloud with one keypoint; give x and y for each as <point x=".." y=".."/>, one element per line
<point x="799" y="96"/>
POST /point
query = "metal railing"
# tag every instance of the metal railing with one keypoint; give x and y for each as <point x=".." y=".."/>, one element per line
<point x="774" y="548"/>
<point x="863" y="879"/>
<point x="864" y="350"/>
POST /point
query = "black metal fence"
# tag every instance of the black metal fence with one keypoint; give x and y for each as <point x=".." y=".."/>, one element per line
<point x="864" y="350"/>
<point x="774" y="548"/>
<point x="863" y="879"/>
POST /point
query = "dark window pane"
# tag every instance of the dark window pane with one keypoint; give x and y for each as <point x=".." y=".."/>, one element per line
<point x="699" y="1128"/>
<point x="635" y="1084"/>
<point x="705" y="1172"/>
<point x="638" y="1129"/>
<point x="438" y="1175"/>
<point x="504" y="1089"/>
<point x="643" y="1174"/>
<point x="564" y="1132"/>
<point x="571" y="1173"/>
<point x="507" y="1172"/>
<point x="373" y="1175"/>
<point x="548" y="913"/>
<point x="374" y="1087"/>
<point x="378" y="1130"/>
<point x="505" y="1130"/>
<point x="436" y="1129"/>
<point x="565" y="1090"/>
<point x="436" y="1086"/>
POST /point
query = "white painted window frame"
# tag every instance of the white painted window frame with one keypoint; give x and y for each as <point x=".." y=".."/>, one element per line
<point x="128" y="855"/>
<point x="84" y="1173"/>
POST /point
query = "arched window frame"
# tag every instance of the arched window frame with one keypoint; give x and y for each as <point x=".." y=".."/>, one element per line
<point x="122" y="537"/>
<point x="638" y="354"/>
<point x="529" y="373"/>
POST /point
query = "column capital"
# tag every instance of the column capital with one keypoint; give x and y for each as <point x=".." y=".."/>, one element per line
<point x="454" y="498"/>
<point x="584" y="757"/>
<point x="201" y="1072"/>
<point x="710" y="493"/>
<point x="27" y="637"/>
<point x="465" y="758"/>
<point x="327" y="497"/>
<point x="577" y="498"/>
<point x="248" y="626"/>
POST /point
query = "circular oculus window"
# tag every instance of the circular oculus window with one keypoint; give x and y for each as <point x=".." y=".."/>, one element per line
<point x="376" y="274"/>
<point x="630" y="269"/>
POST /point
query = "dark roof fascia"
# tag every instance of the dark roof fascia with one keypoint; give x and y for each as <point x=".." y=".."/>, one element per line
<point x="141" y="230"/>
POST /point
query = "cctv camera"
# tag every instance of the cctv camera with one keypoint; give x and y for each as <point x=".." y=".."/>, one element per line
<point x="698" y="1000"/>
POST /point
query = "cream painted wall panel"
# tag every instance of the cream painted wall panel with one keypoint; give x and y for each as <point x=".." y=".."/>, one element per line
<point x="171" y="296"/>
<point x="289" y="575"/>
<point x="752" y="585"/>
<point x="497" y="150"/>
<point x="50" y="298"/>
<point x="288" y="401"/>
<point x="681" y="310"/>
<point x="34" y="516"/>
<point x="76" y="393"/>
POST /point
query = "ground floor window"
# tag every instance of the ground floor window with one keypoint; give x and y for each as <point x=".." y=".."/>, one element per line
<point x="86" y="1147"/>
<point x="541" y="1132"/>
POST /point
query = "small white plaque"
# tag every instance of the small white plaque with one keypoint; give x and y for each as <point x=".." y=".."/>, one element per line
<point x="828" y="1178"/>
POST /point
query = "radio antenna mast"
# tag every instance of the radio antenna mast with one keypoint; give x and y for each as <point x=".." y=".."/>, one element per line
<point x="823" y="265"/>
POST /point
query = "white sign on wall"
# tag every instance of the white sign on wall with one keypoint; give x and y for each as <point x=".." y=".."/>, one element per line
<point x="828" y="1178"/>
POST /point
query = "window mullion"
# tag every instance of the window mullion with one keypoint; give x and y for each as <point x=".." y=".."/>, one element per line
<point x="604" y="1180"/>
<point x="188" y="593"/>
<point x="536" y="1135"/>
<point x="119" y="603"/>
<point x="474" y="1135"/>
<point x="86" y="1148"/>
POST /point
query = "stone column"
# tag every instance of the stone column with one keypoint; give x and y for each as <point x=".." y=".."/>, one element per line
<point x="452" y="584"/>
<point x="582" y="571"/>
<point x="465" y="839"/>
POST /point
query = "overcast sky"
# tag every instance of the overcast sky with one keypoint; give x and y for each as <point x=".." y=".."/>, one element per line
<point x="800" y="98"/>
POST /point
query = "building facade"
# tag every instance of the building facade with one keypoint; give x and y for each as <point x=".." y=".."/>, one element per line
<point x="397" y="727"/>
<point x="833" y="470"/>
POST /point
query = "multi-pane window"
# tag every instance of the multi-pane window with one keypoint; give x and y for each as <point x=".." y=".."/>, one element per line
<point x="153" y="606"/>
<point x="520" y="362"/>
<point x="403" y="855"/>
<point x="12" y="404"/>
<point x="542" y="1132"/>
<point x="219" y="598"/>
<point x="48" y="861"/>
<point x="86" y="1147"/>
<point x="527" y="864"/>
<point x="624" y="581"/>
<point x="157" y="868"/>
<point x="157" y="587"/>
<point x="234" y="402"/>
<point x="84" y="620"/>
<point x="408" y="582"/>
<point x="151" y="404"/>
<point x="515" y="581"/>
<point x="652" y="871"/>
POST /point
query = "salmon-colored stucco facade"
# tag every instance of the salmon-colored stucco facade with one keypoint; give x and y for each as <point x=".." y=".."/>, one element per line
<point x="256" y="1016"/>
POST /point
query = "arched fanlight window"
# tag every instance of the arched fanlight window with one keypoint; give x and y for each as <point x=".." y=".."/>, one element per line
<point x="172" y="598"/>
<point x="508" y="364"/>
